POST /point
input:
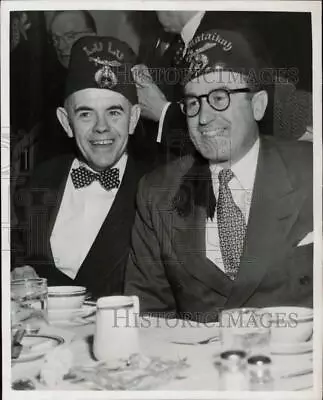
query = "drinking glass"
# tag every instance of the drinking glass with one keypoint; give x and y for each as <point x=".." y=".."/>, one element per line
<point x="245" y="329"/>
<point x="29" y="304"/>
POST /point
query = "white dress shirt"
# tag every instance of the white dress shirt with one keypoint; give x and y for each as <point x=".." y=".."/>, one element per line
<point x="79" y="220"/>
<point x="241" y="186"/>
<point x="187" y="34"/>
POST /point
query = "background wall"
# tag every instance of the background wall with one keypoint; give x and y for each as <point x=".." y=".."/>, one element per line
<point x="111" y="23"/>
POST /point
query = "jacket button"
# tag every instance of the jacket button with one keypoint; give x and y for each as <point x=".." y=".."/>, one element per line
<point x="304" y="280"/>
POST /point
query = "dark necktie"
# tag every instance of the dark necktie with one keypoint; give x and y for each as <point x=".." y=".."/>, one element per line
<point x="161" y="47"/>
<point x="231" y="226"/>
<point x="178" y="47"/>
<point x="173" y="47"/>
<point x="108" y="179"/>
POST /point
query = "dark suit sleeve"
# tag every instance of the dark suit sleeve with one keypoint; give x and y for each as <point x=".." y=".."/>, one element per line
<point x="20" y="224"/>
<point x="29" y="234"/>
<point x="145" y="273"/>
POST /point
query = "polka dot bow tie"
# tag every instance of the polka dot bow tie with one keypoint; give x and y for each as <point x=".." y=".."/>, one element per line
<point x="109" y="179"/>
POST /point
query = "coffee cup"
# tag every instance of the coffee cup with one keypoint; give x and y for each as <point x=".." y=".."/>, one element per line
<point x="289" y="324"/>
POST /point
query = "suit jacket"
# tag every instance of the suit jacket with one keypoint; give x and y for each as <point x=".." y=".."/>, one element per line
<point x="168" y="268"/>
<point x="36" y="207"/>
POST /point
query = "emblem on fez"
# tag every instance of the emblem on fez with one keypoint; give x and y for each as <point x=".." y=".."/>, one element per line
<point x="198" y="62"/>
<point x="105" y="77"/>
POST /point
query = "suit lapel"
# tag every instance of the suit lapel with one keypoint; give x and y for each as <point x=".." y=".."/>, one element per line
<point x="274" y="209"/>
<point x="190" y="243"/>
<point x="109" y="249"/>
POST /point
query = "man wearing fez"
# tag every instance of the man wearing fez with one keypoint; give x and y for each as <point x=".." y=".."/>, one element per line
<point x="159" y="94"/>
<point x="229" y="226"/>
<point x="76" y="215"/>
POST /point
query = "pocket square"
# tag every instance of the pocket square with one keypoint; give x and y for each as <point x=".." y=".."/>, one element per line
<point x="306" y="240"/>
<point x="308" y="134"/>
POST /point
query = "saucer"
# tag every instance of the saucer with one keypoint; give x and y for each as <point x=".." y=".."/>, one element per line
<point x="292" y="348"/>
<point x="36" y="346"/>
<point x="70" y="314"/>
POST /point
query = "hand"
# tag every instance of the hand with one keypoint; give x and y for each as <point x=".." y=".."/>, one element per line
<point x="151" y="99"/>
<point x="26" y="271"/>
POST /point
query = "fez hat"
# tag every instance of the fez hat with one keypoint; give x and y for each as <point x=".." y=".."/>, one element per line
<point x="221" y="50"/>
<point x="101" y="63"/>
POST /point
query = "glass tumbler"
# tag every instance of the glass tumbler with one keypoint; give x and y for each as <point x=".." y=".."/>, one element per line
<point x="29" y="304"/>
<point x="245" y="329"/>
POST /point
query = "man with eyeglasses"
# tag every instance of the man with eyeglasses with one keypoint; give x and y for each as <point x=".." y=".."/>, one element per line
<point x="67" y="27"/>
<point x="229" y="226"/>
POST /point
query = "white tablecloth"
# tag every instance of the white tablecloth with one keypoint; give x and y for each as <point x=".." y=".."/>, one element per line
<point x="156" y="340"/>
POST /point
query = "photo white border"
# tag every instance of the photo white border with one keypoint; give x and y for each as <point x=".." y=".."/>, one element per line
<point x="301" y="6"/>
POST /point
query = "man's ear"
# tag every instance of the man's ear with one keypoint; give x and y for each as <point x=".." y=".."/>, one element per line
<point x="259" y="104"/>
<point x="134" y="118"/>
<point x="62" y="116"/>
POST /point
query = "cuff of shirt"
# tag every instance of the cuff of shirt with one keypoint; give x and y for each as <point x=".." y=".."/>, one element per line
<point x="161" y="122"/>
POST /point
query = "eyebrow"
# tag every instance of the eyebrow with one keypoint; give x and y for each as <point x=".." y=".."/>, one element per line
<point x="86" y="108"/>
<point x="223" y="87"/>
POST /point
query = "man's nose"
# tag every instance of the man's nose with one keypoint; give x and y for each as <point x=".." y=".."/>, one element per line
<point x="102" y="124"/>
<point x="207" y="113"/>
<point x="62" y="44"/>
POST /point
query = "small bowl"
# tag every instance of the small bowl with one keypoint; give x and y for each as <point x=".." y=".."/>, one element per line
<point x="65" y="297"/>
<point x="289" y="324"/>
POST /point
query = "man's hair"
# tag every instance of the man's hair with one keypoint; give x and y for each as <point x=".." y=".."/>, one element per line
<point x="67" y="103"/>
<point x="88" y="18"/>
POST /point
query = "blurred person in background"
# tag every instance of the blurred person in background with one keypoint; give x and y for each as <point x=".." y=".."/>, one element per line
<point x="65" y="28"/>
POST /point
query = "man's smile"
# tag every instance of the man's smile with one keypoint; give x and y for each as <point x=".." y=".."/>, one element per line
<point x="217" y="132"/>
<point x="102" y="142"/>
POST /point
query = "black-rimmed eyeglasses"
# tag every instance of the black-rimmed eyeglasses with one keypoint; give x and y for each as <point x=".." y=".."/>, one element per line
<point x="218" y="99"/>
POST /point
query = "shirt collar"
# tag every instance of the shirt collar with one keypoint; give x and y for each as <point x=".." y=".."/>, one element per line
<point x="191" y="26"/>
<point x="245" y="169"/>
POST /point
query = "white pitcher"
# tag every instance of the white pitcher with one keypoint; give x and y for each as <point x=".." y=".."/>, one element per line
<point x="117" y="326"/>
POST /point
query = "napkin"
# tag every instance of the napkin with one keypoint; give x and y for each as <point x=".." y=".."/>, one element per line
<point x="56" y="364"/>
